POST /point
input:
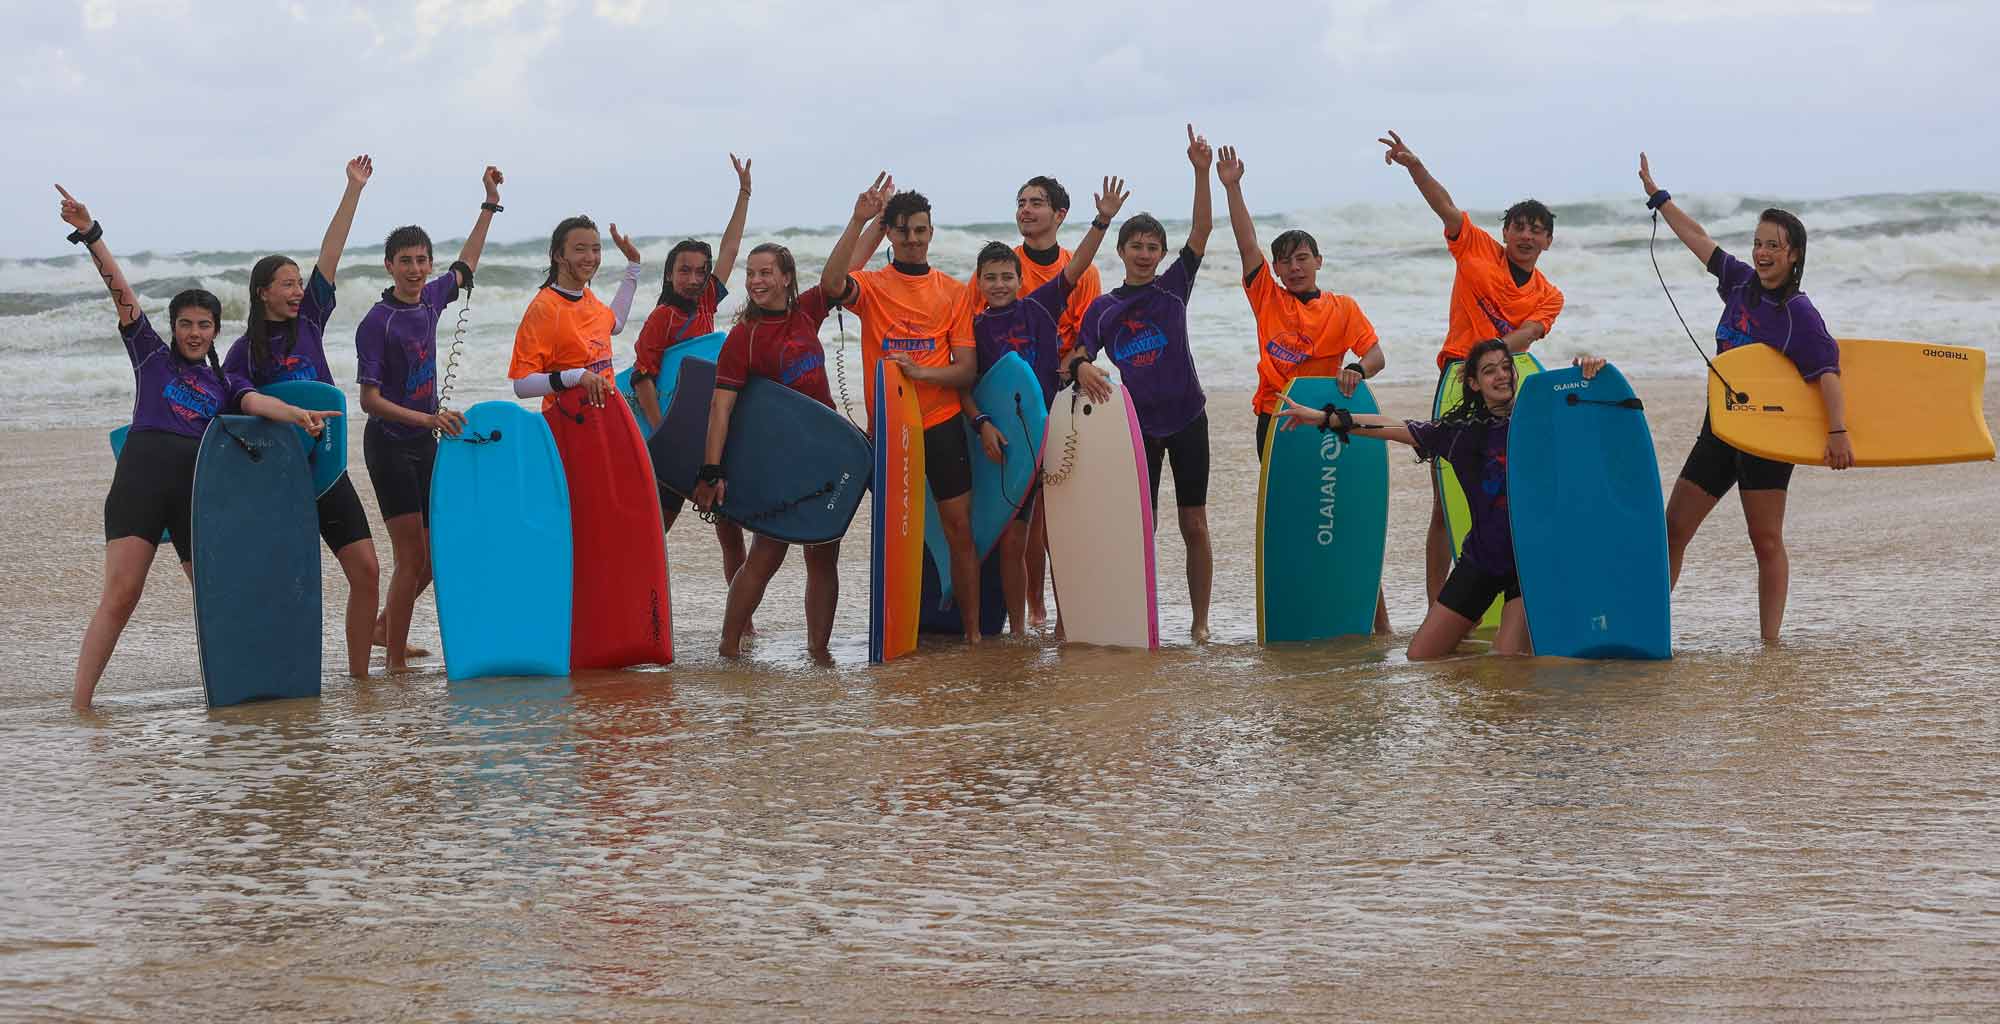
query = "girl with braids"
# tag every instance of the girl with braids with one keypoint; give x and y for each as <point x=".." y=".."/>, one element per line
<point x="285" y="340"/>
<point x="776" y="337"/>
<point x="180" y="387"/>
<point x="564" y="340"/>
<point x="1473" y="437"/>
<point x="694" y="284"/>
<point x="1761" y="303"/>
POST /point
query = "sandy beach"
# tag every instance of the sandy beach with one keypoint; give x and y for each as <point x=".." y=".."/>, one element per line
<point x="1795" y="833"/>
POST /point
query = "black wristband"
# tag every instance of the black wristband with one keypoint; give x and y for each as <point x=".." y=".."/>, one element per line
<point x="710" y="472"/>
<point x="981" y="420"/>
<point x="1358" y="368"/>
<point x="464" y="272"/>
<point x="87" y="235"/>
<point x="492" y="207"/>
<point x="1658" y="199"/>
<point x="1100" y="224"/>
<point x="556" y="381"/>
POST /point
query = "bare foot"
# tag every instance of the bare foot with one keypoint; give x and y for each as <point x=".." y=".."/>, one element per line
<point x="820" y="656"/>
<point x="1038" y="615"/>
<point x="1200" y="633"/>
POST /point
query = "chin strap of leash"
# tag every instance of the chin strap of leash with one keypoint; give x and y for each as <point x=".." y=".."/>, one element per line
<point x="713" y="515"/>
<point x="1735" y="397"/>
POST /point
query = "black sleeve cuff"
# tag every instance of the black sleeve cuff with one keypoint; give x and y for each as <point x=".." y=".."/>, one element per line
<point x="1715" y="261"/>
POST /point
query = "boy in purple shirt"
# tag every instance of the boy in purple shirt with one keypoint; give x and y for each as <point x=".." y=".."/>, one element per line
<point x="180" y="388"/>
<point x="1761" y="302"/>
<point x="287" y="321"/>
<point x="395" y="350"/>
<point x="1143" y="324"/>
<point x="1028" y="327"/>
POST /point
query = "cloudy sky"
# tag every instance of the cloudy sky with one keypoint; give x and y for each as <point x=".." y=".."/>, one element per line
<point x="218" y="124"/>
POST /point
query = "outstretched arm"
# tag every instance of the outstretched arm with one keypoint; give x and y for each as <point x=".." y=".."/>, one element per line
<point x="1109" y="202"/>
<point x="76" y="215"/>
<point x="1200" y="155"/>
<point x="1433" y="191"/>
<point x="732" y="236"/>
<point x="870" y="244"/>
<point x="475" y="242"/>
<point x="867" y="207"/>
<point x="330" y="247"/>
<point x="1385" y="427"/>
<point x="1229" y="167"/>
<point x="1685" y="227"/>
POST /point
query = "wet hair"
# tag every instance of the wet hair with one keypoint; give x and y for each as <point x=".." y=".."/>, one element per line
<point x="1058" y="195"/>
<point x="902" y="206"/>
<point x="996" y="252"/>
<point x="1141" y="224"/>
<point x="1795" y="237"/>
<point x="407" y="236"/>
<point x="1286" y="244"/>
<point x="1532" y="213"/>
<point x="563" y="228"/>
<point x="786" y="266"/>
<point x="674" y="254"/>
<point x="205" y="299"/>
<point x="1472" y="406"/>
<point x="258" y="329"/>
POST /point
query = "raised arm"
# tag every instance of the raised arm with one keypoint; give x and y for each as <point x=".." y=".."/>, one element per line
<point x="76" y="215"/>
<point x="621" y="302"/>
<point x="1685" y="227"/>
<point x="867" y="209"/>
<point x="1200" y="155"/>
<point x="330" y="247"/>
<point x="475" y="242"/>
<point x="1109" y="202"/>
<point x="732" y="236"/>
<point x="1229" y="168"/>
<point x="1433" y="191"/>
<point x="871" y="243"/>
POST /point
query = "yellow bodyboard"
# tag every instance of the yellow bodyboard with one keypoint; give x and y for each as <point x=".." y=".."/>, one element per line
<point x="1908" y="404"/>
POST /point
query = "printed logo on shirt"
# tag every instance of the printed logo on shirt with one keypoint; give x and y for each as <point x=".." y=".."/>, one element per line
<point x="600" y="366"/>
<point x="291" y="367"/>
<point x="1288" y="348"/>
<point x="1501" y="326"/>
<point x="189" y="399"/>
<point x="1494" y="479"/>
<point x="421" y="378"/>
<point x="908" y="344"/>
<point x="1024" y="346"/>
<point x="1728" y="336"/>
<point x="798" y="363"/>
<point x="1140" y="345"/>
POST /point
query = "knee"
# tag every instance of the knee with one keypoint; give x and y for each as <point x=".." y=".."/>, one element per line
<point x="121" y="597"/>
<point x="1768" y="542"/>
<point x="1680" y="531"/>
<point x="1194" y="525"/>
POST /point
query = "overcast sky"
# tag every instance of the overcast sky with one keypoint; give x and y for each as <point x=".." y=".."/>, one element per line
<point x="218" y="124"/>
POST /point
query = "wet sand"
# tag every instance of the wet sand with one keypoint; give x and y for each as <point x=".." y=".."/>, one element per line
<point x="1796" y="833"/>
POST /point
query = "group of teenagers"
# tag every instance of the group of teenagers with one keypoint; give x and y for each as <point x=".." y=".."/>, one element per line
<point x="1038" y="300"/>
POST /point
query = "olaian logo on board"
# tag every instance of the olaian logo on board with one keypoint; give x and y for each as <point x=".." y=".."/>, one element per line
<point x="1572" y="386"/>
<point x="1330" y="449"/>
<point x="903" y="529"/>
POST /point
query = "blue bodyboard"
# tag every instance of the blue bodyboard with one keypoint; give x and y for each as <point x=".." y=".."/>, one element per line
<point x="256" y="564"/>
<point x="1009" y="393"/>
<point x="706" y="347"/>
<point x="1322" y="523"/>
<point x="326" y="455"/>
<point x="500" y="546"/>
<point x="1590" y="530"/>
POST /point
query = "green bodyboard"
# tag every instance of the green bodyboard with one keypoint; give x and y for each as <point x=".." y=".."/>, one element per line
<point x="1457" y="516"/>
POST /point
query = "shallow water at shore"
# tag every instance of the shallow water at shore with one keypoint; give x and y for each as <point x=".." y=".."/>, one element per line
<point x="1799" y="833"/>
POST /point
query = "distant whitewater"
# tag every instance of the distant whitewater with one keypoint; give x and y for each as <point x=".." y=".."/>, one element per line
<point x="1923" y="266"/>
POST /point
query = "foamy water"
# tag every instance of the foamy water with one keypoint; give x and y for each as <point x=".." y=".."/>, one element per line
<point x="1922" y="267"/>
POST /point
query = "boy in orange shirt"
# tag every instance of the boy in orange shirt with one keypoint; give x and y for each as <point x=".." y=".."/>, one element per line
<point x="1496" y="293"/>
<point x="921" y="318"/>
<point x="1301" y="331"/>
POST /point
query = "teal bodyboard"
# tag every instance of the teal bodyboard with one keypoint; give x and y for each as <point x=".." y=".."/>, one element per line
<point x="1322" y="523"/>
<point x="326" y="455"/>
<point x="1010" y="394"/>
<point x="705" y="347"/>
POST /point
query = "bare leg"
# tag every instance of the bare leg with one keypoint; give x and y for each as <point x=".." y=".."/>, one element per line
<point x="730" y="536"/>
<point x="1513" y="635"/>
<point x="1440" y="633"/>
<point x="1014" y="574"/>
<point x="1687" y="506"/>
<point x="746" y="591"/>
<point x="1037" y="563"/>
<point x="822" y="597"/>
<point x="409" y="543"/>
<point x="125" y="563"/>
<point x="1437" y="550"/>
<point x="1200" y="566"/>
<point x="364" y="587"/>
<point x="956" y="517"/>
<point x="1764" y="513"/>
<point x="1381" y="615"/>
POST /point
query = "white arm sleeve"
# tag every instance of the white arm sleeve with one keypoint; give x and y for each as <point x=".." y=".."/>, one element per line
<point x="535" y="385"/>
<point x="621" y="303"/>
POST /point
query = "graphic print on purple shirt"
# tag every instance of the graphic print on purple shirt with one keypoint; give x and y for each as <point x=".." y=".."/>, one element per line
<point x="170" y="393"/>
<point x="1502" y="326"/>
<point x="1477" y="451"/>
<point x="1144" y="327"/>
<point x="1794" y="328"/>
<point x="298" y="346"/>
<point x="395" y="349"/>
<point x="1028" y="328"/>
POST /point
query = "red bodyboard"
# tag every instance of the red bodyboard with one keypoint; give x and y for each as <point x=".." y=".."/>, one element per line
<point x="621" y="611"/>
